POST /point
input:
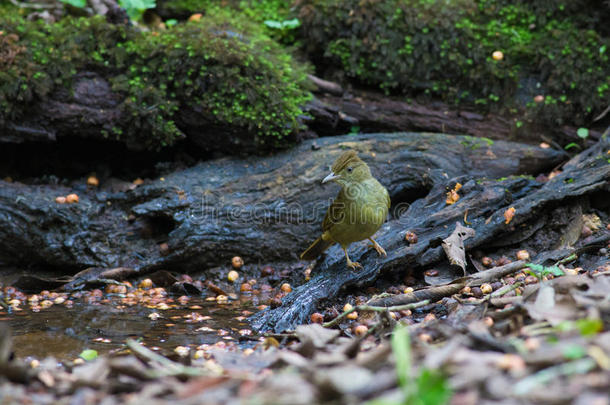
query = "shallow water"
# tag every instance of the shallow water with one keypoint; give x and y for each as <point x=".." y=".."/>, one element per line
<point x="64" y="332"/>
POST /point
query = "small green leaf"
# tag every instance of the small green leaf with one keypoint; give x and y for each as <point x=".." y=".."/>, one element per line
<point x="589" y="327"/>
<point x="535" y="267"/>
<point x="432" y="388"/>
<point x="571" y="145"/>
<point x="586" y="327"/>
<point x="291" y="24"/>
<point x="582" y="133"/>
<point x="76" y="3"/>
<point x="273" y="24"/>
<point x="88" y="354"/>
<point x="401" y="347"/>
<point x="541" y="270"/>
<point x="171" y="22"/>
<point x="573" y="352"/>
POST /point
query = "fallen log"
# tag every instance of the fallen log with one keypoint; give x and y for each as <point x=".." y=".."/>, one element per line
<point x="432" y="220"/>
<point x="264" y="209"/>
<point x="372" y="112"/>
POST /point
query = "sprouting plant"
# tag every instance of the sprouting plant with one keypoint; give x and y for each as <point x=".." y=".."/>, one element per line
<point x="539" y="271"/>
<point x="76" y="3"/>
<point x="135" y="8"/>
<point x="582" y="133"/>
<point x="285" y="29"/>
<point x="430" y="387"/>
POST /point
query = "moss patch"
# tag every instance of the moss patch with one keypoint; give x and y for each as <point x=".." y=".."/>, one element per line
<point x="441" y="48"/>
<point x="222" y="68"/>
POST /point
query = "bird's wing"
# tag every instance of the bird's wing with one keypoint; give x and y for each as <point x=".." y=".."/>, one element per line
<point x="335" y="213"/>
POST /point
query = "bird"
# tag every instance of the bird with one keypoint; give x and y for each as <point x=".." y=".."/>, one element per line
<point x="358" y="211"/>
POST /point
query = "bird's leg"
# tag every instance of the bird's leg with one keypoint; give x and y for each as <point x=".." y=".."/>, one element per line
<point x="377" y="247"/>
<point x="352" y="265"/>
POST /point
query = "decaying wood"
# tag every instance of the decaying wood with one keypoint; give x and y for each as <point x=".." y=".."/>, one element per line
<point x="263" y="209"/>
<point x="430" y="218"/>
<point x="371" y="111"/>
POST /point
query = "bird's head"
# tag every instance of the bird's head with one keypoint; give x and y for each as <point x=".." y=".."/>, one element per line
<point x="348" y="169"/>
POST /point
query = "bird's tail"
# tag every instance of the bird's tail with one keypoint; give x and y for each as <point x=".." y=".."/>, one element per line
<point x="316" y="249"/>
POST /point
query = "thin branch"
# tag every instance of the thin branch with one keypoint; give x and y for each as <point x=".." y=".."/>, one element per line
<point x="168" y="367"/>
<point x="365" y="308"/>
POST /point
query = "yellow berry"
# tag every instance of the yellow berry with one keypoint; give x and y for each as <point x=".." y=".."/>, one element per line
<point x="232" y="276"/>
<point x="523" y="255"/>
<point x="497" y="55"/>
<point x="486" y="288"/>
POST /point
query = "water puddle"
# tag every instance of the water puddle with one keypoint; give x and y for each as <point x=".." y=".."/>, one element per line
<point x="65" y="331"/>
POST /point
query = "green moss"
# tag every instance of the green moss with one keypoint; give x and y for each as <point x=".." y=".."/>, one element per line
<point x="443" y="49"/>
<point x="257" y="11"/>
<point x="475" y="143"/>
<point x="224" y="70"/>
<point x="268" y="14"/>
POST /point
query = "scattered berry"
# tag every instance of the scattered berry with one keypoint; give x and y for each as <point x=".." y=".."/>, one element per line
<point x="361" y="330"/>
<point x="523" y="255"/>
<point x="411" y="237"/>
<point x="497" y="55"/>
<point x="317" y="317"/>
<point x="232" y="276"/>
<point x="93" y="181"/>
<point x="237" y="262"/>
<point x="71" y="198"/>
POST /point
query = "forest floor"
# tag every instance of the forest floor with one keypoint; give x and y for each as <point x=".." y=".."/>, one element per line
<point x="511" y="334"/>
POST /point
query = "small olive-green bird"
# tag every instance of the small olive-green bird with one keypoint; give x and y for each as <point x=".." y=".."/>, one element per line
<point x="359" y="210"/>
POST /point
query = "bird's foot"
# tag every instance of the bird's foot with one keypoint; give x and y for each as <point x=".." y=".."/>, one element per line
<point x="353" y="265"/>
<point x="378" y="248"/>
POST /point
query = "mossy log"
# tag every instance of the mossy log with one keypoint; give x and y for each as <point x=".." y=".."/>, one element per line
<point x="418" y="49"/>
<point x="219" y="82"/>
<point x="432" y="219"/>
<point x="264" y="209"/>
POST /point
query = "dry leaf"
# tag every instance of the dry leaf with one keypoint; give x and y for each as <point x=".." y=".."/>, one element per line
<point x="454" y="245"/>
<point x="318" y="335"/>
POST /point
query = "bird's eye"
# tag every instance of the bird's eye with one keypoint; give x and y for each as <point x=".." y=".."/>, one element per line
<point x="349" y="169"/>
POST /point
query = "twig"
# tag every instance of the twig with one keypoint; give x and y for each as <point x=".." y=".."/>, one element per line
<point x="506" y="289"/>
<point x="325" y="85"/>
<point x="602" y="115"/>
<point x="567" y="259"/>
<point x="494" y="273"/>
<point x="580" y="366"/>
<point x="365" y="308"/>
<point x="431" y="294"/>
<point x="169" y="368"/>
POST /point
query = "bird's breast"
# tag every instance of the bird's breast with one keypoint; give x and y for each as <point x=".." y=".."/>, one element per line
<point x="366" y="210"/>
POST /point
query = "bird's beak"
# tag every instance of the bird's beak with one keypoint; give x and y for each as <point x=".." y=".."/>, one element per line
<point x="330" y="177"/>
